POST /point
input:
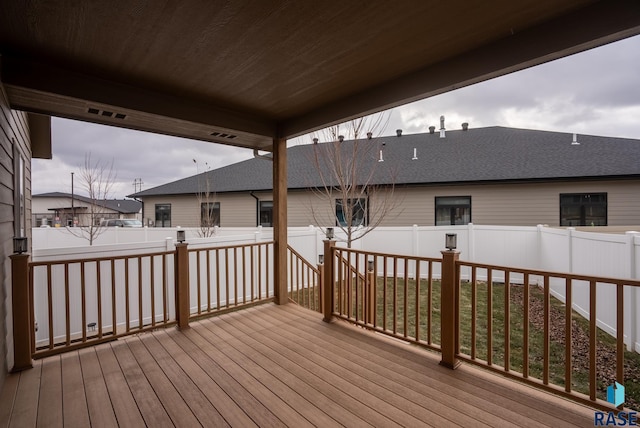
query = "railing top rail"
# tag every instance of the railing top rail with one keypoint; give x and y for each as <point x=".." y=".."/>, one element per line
<point x="223" y="247"/>
<point x="379" y="254"/>
<point x="571" y="276"/>
<point x="99" y="259"/>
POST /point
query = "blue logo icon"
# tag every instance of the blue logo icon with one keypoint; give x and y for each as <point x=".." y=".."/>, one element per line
<point x="615" y="394"/>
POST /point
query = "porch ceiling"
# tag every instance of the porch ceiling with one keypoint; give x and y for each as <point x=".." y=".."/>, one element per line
<point x="243" y="72"/>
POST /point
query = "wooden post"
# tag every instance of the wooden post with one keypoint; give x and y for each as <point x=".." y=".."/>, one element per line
<point x="320" y="287"/>
<point x="21" y="308"/>
<point x="449" y="310"/>
<point x="327" y="292"/>
<point x="182" y="285"/>
<point x="370" y="297"/>
<point x="280" y="220"/>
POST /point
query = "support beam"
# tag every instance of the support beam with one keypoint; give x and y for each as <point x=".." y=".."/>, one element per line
<point x="449" y="309"/>
<point x="21" y="307"/>
<point x="280" y="220"/>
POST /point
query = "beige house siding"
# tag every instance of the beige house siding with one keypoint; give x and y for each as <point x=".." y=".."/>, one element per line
<point x="236" y="209"/>
<point x="14" y="135"/>
<point x="522" y="204"/>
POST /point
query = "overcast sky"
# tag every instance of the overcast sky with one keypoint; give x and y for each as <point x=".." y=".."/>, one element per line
<point x="595" y="92"/>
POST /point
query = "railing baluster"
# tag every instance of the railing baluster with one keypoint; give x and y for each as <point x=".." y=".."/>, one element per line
<point x="567" y="335"/>
<point x="83" y="298"/>
<point x="252" y="273"/>
<point x="226" y="274"/>
<point x="165" y="291"/>
<point x="217" y="279"/>
<point x="507" y="320"/>
<point x="547" y="330"/>
<point x="50" y="304"/>
<point x="620" y="334"/>
<point x="235" y="276"/>
<point x="395" y="295"/>
<point x="67" y="304"/>
<point x="429" y="303"/>
<point x="525" y="336"/>
<point x="140" y="309"/>
<point x="593" y="336"/>
<point x="126" y="294"/>
<point x="99" y="292"/>
<point x="384" y="293"/>
<point x="244" y="274"/>
<point x="489" y="317"/>
<point x="208" y="284"/>
<point x="417" y="312"/>
<point x="113" y="297"/>
<point x="474" y="310"/>
<point x="152" y="289"/>
<point x="198" y="283"/>
<point x="405" y="294"/>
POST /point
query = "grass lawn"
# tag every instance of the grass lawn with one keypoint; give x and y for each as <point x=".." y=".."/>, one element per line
<point x="401" y="311"/>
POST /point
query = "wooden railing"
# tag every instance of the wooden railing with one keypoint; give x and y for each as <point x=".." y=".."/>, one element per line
<point x="304" y="281"/>
<point x="391" y="294"/>
<point x="230" y="277"/>
<point x="511" y="299"/>
<point x="83" y="302"/>
<point x="483" y="314"/>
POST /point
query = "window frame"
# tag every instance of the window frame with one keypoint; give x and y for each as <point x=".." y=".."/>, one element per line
<point x="364" y="210"/>
<point x="436" y="206"/>
<point x="582" y="206"/>
<point x="156" y="206"/>
<point x="260" y="211"/>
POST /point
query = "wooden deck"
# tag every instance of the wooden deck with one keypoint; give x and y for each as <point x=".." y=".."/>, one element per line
<point x="270" y="366"/>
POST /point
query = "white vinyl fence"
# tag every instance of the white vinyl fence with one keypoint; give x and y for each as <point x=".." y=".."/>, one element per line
<point x="542" y="248"/>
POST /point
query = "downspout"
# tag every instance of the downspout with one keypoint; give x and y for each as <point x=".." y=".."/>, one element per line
<point x="257" y="203"/>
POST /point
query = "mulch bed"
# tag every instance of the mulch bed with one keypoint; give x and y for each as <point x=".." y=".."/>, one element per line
<point x="605" y="356"/>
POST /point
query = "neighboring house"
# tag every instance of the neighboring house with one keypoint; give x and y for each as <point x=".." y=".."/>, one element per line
<point x="493" y="175"/>
<point x="65" y="209"/>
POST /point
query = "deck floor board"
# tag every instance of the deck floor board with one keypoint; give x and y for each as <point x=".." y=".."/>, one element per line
<point x="270" y="366"/>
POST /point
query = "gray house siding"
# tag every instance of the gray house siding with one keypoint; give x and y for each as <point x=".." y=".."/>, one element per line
<point x="14" y="139"/>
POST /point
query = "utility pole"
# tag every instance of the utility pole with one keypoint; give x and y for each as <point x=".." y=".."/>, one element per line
<point x="137" y="185"/>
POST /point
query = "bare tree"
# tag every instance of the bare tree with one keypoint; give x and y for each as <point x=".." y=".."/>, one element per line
<point x="96" y="180"/>
<point x="355" y="189"/>
<point x="209" y="206"/>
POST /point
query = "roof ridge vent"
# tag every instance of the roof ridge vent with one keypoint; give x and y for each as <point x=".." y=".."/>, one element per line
<point x="465" y="126"/>
<point x="399" y="132"/>
<point x="369" y="135"/>
<point x="341" y="138"/>
<point x="432" y="130"/>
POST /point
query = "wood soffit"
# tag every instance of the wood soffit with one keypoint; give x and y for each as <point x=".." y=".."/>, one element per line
<point x="244" y="72"/>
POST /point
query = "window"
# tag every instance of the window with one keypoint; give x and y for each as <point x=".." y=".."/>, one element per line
<point x="163" y="215"/>
<point x="453" y="210"/>
<point x="265" y="213"/>
<point x="583" y="209"/>
<point x="356" y="208"/>
<point x="19" y="196"/>
<point x="209" y="214"/>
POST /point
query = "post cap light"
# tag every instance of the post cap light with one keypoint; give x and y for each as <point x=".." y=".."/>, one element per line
<point x="321" y="259"/>
<point x="329" y="233"/>
<point x="181" y="236"/>
<point x="451" y="241"/>
<point x="370" y="265"/>
<point x="20" y="245"/>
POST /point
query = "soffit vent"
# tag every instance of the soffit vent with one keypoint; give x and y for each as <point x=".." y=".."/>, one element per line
<point x="223" y="135"/>
<point x="106" y="113"/>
